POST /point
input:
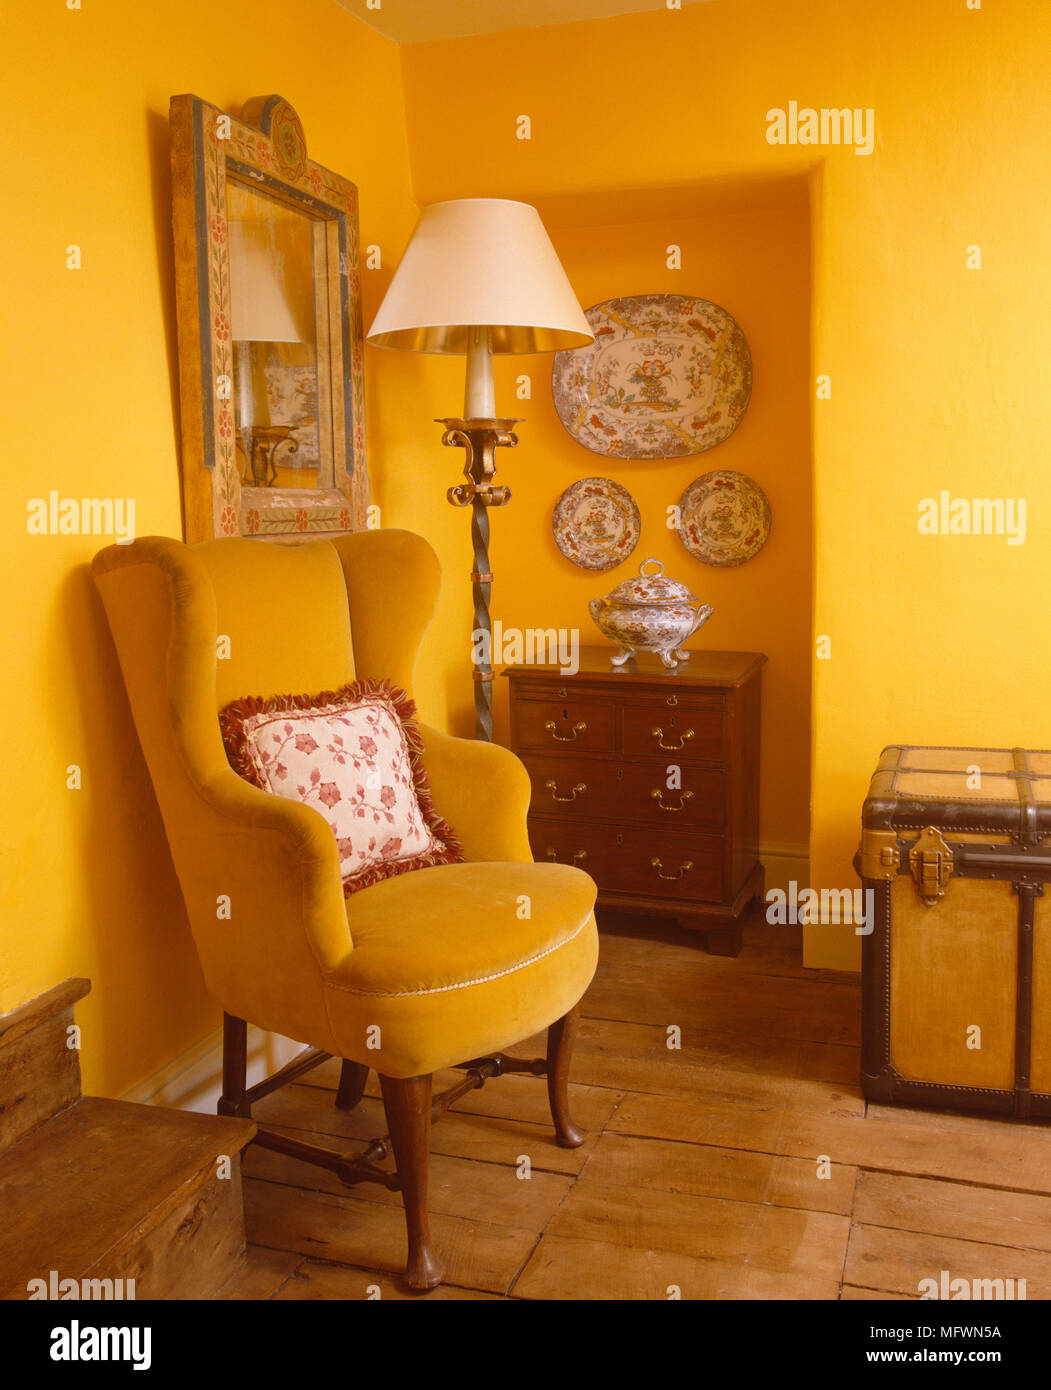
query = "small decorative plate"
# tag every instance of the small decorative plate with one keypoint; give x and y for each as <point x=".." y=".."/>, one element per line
<point x="667" y="375"/>
<point x="596" y="523"/>
<point x="724" y="518"/>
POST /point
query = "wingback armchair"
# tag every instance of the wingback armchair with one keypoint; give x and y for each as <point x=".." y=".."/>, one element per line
<point x="427" y="970"/>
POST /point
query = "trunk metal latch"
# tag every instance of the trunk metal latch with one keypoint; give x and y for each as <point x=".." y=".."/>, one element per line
<point x="930" y="860"/>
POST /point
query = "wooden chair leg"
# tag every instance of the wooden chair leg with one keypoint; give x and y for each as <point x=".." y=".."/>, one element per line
<point x="235" y="1068"/>
<point x="408" y="1105"/>
<point x="560" y="1038"/>
<point x="352" y="1079"/>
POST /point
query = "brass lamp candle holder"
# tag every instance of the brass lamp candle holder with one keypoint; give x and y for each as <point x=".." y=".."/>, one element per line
<point x="480" y="438"/>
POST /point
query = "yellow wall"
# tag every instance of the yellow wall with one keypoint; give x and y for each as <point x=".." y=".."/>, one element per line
<point x="90" y="408"/>
<point x="939" y="374"/>
<point x="756" y="264"/>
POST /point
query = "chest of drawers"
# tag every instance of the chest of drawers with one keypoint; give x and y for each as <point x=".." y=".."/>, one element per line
<point x="648" y="779"/>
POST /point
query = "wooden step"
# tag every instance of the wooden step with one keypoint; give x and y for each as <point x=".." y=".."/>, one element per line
<point x="39" y="1061"/>
<point x="110" y="1190"/>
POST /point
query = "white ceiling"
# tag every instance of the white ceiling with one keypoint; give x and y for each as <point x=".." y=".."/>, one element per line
<point x="416" y="21"/>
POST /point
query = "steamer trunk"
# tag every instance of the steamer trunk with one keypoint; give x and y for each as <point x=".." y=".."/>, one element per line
<point x="957" y="969"/>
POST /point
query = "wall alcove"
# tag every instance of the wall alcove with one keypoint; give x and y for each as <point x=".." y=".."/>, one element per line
<point x="746" y="245"/>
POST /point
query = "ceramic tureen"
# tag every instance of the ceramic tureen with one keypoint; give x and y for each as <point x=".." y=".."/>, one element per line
<point x="649" y="614"/>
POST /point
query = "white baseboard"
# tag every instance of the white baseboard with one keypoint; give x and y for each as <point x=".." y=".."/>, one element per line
<point x="785" y="864"/>
<point x="194" y="1079"/>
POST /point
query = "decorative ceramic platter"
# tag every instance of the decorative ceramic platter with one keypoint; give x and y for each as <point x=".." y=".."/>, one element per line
<point x="724" y="518"/>
<point x="667" y="375"/>
<point x="596" y="523"/>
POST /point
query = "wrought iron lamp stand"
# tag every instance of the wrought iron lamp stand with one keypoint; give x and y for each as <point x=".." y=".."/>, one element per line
<point x="480" y="438"/>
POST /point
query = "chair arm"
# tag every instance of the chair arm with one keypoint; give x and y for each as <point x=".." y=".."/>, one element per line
<point x="483" y="791"/>
<point x="295" y="837"/>
<point x="266" y="950"/>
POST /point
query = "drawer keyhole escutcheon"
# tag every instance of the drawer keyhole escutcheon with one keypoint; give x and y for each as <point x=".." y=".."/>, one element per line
<point x="658" y="796"/>
<point x="684" y="868"/>
<point x="552" y="729"/>
<point x="552" y="787"/>
<point x="658" y="734"/>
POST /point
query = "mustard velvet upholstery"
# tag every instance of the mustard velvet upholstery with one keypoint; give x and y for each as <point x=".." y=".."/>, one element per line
<point x="450" y="962"/>
<point x="443" y="962"/>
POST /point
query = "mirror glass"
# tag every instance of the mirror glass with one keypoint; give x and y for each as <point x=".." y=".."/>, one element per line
<point x="278" y="407"/>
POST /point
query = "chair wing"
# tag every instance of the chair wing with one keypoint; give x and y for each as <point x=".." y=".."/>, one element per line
<point x="259" y="873"/>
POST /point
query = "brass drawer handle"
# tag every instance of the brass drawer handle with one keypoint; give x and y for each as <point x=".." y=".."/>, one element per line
<point x="658" y="734"/>
<point x="672" y="700"/>
<point x="552" y="854"/>
<point x="658" y="796"/>
<point x="684" y="868"/>
<point x="578" y="728"/>
<point x="552" y="787"/>
<point x="562" y="693"/>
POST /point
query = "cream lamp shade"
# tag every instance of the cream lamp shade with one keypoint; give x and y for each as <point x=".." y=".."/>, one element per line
<point x="268" y="304"/>
<point x="480" y="276"/>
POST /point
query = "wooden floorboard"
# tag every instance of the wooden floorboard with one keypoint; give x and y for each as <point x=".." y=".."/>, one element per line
<point x="458" y="1187"/>
<point x="739" y="1162"/>
<point x="323" y="1282"/>
<point x="896" y="1261"/>
<point x="705" y="1170"/>
<point x="353" y="1231"/>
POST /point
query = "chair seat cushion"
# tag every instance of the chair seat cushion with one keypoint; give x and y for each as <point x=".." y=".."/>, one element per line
<point x="462" y="924"/>
<point x="461" y="959"/>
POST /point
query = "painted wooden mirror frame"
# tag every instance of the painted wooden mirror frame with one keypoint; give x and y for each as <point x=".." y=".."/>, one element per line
<point x="230" y="480"/>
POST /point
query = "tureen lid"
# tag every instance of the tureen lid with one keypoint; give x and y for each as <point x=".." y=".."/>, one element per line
<point x="651" y="588"/>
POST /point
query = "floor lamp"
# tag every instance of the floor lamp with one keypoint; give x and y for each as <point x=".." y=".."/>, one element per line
<point x="479" y="277"/>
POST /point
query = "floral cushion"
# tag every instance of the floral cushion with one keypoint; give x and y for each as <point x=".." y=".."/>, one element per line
<point x="355" y="755"/>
